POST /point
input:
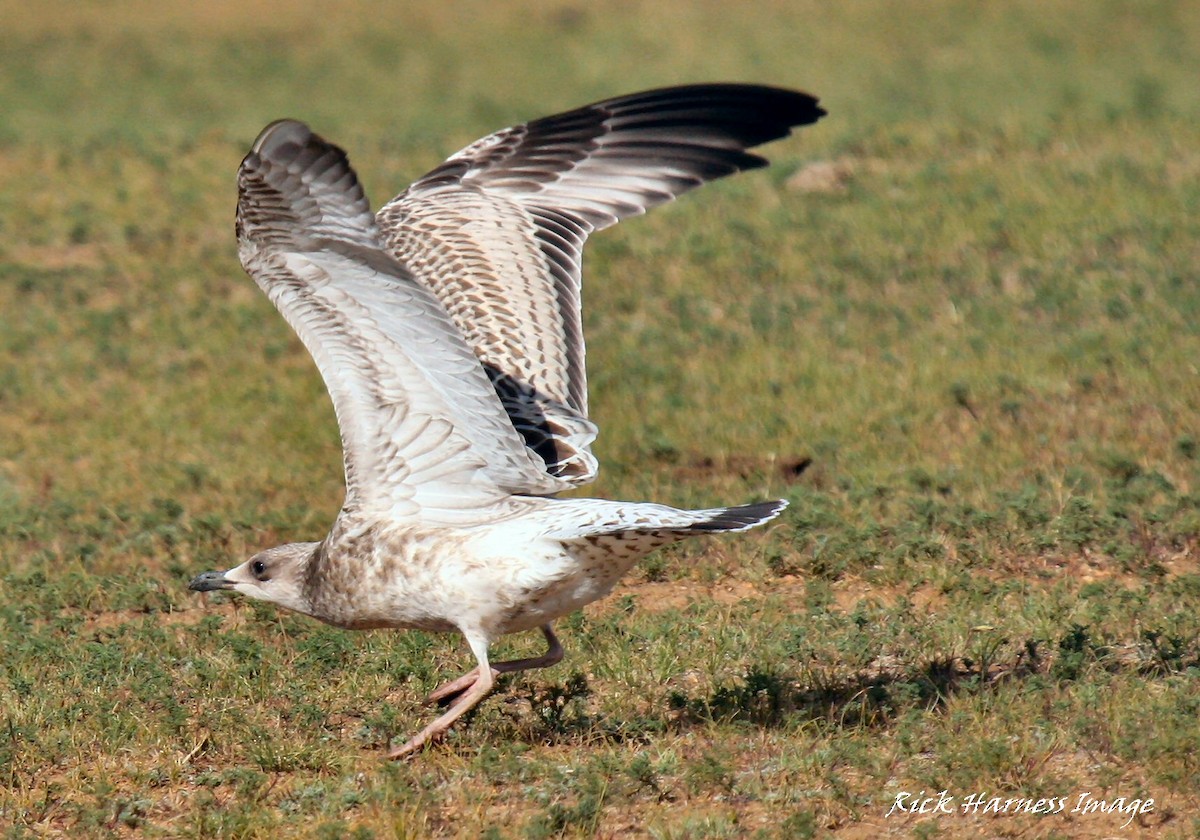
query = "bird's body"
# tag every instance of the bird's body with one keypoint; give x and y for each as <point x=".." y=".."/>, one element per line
<point x="537" y="560"/>
<point x="447" y="331"/>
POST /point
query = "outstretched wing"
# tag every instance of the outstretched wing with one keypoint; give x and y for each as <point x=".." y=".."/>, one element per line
<point x="497" y="231"/>
<point x="424" y="436"/>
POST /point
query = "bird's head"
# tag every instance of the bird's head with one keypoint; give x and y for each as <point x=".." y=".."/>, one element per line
<point x="276" y="575"/>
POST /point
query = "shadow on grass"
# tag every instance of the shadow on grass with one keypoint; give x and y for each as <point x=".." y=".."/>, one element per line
<point x="874" y="696"/>
<point x="771" y="698"/>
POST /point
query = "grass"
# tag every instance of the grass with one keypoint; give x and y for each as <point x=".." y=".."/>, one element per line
<point x="970" y="362"/>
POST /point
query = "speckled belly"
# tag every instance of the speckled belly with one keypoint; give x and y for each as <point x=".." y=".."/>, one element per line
<point x="594" y="566"/>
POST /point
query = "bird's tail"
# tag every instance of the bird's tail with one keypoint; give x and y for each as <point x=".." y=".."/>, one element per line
<point x="633" y="529"/>
<point x="740" y="518"/>
<point x="607" y="538"/>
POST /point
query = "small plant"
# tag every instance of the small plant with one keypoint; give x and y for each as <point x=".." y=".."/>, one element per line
<point x="561" y="707"/>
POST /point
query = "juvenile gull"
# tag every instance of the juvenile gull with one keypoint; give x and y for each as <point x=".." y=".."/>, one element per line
<point x="447" y="331"/>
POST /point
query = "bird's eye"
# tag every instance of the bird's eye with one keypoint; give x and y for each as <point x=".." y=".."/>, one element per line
<point x="259" y="569"/>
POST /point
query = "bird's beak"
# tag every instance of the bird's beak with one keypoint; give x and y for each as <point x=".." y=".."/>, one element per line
<point x="210" y="581"/>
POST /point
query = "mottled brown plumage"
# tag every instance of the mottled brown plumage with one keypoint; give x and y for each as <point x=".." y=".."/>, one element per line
<point x="449" y="338"/>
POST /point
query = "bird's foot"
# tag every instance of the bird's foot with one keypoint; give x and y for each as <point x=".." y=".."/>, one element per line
<point x="470" y="693"/>
<point x="416" y="744"/>
<point x="452" y="689"/>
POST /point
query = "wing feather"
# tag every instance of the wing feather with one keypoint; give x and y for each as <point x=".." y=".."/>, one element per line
<point x="497" y="231"/>
<point x="424" y="436"/>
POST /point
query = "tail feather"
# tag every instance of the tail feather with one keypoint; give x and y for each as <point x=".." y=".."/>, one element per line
<point x="645" y="522"/>
<point x="740" y="518"/>
<point x="631" y="530"/>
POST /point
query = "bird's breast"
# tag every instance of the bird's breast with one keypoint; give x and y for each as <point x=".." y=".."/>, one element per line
<point x="384" y="577"/>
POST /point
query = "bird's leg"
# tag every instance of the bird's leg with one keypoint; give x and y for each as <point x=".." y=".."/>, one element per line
<point x="468" y="700"/>
<point x="553" y="654"/>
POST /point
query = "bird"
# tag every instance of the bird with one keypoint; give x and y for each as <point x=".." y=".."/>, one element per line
<point x="447" y="331"/>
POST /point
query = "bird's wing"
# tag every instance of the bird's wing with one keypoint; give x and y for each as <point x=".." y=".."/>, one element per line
<point x="424" y="436"/>
<point x="497" y="231"/>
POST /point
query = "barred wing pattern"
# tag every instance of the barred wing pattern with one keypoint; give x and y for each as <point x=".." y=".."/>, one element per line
<point x="497" y="231"/>
<point x="424" y="437"/>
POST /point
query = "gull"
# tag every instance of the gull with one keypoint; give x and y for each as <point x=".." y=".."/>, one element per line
<point x="447" y="331"/>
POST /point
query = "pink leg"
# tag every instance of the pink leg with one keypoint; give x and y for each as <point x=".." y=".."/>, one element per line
<point x="461" y="706"/>
<point x="553" y="654"/>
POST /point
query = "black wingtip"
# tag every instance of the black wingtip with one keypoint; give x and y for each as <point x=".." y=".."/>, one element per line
<point x="774" y="111"/>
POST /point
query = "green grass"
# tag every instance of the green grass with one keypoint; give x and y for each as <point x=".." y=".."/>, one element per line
<point x="984" y="338"/>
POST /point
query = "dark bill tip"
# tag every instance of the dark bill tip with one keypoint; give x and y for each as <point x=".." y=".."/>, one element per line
<point x="209" y="581"/>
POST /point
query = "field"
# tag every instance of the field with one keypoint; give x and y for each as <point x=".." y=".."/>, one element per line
<point x="956" y="324"/>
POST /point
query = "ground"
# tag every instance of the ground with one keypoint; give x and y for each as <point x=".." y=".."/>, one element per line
<point x="954" y="324"/>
